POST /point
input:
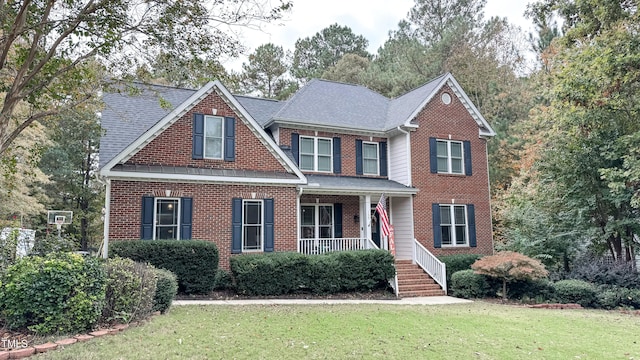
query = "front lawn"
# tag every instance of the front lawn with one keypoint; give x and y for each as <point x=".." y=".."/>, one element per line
<point x="467" y="331"/>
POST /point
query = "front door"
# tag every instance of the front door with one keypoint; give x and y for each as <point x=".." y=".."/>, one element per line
<point x="375" y="227"/>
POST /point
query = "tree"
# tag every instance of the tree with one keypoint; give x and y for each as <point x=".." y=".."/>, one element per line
<point x="312" y="56"/>
<point x="434" y="19"/>
<point x="350" y="69"/>
<point x="46" y="47"/>
<point x="266" y="71"/>
<point x="510" y="266"/>
<point x="71" y="163"/>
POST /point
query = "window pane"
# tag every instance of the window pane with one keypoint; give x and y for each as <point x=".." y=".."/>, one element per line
<point x="456" y="150"/>
<point x="442" y="149"/>
<point x="213" y="148"/>
<point x="445" y="215"/>
<point x="370" y="151"/>
<point x="308" y="215"/>
<point x="166" y="232"/>
<point x="306" y="146"/>
<point x="326" y="215"/>
<point x="167" y="212"/>
<point x="370" y="166"/>
<point x="459" y="215"/>
<point x="252" y="238"/>
<point x="446" y="235"/>
<point x="443" y="165"/>
<point x="325" y="232"/>
<point x="308" y="232"/>
<point x="252" y="213"/>
<point x="456" y="166"/>
<point x="461" y="236"/>
<point x="213" y="127"/>
<point x="324" y="147"/>
<point x="306" y="162"/>
<point x="324" y="163"/>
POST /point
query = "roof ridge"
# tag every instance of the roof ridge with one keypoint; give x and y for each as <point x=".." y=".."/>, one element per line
<point x="429" y="82"/>
<point x="140" y="82"/>
<point x="257" y="98"/>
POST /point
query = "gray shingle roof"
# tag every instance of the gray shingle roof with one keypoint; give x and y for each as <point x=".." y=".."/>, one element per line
<point x="127" y="115"/>
<point x="402" y="107"/>
<point x="184" y="170"/>
<point x="356" y="185"/>
<point x="262" y="110"/>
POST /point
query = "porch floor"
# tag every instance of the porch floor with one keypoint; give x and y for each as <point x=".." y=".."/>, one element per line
<point x="415" y="282"/>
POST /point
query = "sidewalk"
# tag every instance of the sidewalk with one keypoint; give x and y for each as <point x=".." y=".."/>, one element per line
<point x="429" y="300"/>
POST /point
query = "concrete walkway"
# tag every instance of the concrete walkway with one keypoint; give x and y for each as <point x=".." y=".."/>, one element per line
<point x="429" y="300"/>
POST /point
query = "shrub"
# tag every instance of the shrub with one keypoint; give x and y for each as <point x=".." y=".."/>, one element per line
<point x="510" y="266"/>
<point x="194" y="262"/>
<point x="286" y="273"/>
<point x="467" y="284"/>
<point x="458" y="262"/>
<point x="540" y="289"/>
<point x="52" y="243"/>
<point x="58" y="293"/>
<point x="598" y="271"/>
<point x="223" y="280"/>
<point x="130" y="291"/>
<point x="615" y="296"/>
<point x="575" y="291"/>
<point x="166" y="290"/>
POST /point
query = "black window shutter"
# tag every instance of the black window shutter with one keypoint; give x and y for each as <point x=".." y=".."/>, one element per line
<point x="268" y="225"/>
<point x="467" y="157"/>
<point x="471" y="215"/>
<point x="295" y="147"/>
<point x="433" y="155"/>
<point x="146" y="228"/>
<point x="236" y="226"/>
<point x="337" y="156"/>
<point x="337" y="220"/>
<point x="197" y="151"/>
<point x="229" y="139"/>
<point x="437" y="233"/>
<point x="358" y="157"/>
<point x="186" y="217"/>
<point x="382" y="147"/>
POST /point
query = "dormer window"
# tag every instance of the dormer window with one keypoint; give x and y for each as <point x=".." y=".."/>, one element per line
<point x="315" y="154"/>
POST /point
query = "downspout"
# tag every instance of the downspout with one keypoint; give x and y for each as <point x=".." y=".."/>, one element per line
<point x="107" y="214"/>
<point x="298" y="218"/>
<point x="486" y="148"/>
<point x="408" y="145"/>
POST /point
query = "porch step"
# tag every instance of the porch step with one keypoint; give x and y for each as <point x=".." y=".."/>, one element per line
<point x="414" y="282"/>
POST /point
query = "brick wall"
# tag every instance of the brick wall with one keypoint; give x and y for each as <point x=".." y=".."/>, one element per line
<point x="348" y="147"/>
<point x="174" y="145"/>
<point x="444" y="121"/>
<point x="211" y="211"/>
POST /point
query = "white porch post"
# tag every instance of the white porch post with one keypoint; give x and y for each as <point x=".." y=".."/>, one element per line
<point x="107" y="213"/>
<point x="298" y="212"/>
<point x="367" y="216"/>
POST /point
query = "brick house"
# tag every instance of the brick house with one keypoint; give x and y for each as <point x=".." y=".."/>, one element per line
<point x="259" y="175"/>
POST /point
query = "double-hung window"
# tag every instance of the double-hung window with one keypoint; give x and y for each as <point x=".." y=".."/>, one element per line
<point x="166" y="219"/>
<point x="370" y="160"/>
<point x="450" y="157"/>
<point x="252" y="225"/>
<point x="453" y="225"/>
<point x="316" y="154"/>
<point x="317" y="221"/>
<point x="213" y="137"/>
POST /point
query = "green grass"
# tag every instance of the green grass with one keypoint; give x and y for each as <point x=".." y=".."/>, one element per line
<point x="469" y="331"/>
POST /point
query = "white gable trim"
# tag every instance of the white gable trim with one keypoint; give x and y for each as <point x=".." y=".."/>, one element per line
<point x="185" y="107"/>
<point x="457" y="90"/>
<point x="139" y="176"/>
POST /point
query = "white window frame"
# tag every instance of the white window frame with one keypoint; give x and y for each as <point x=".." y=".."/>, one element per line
<point x="316" y="221"/>
<point x="315" y="154"/>
<point x="244" y="225"/>
<point x="449" y="157"/>
<point x="155" y="215"/>
<point x="204" y="142"/>
<point x="452" y="226"/>
<point x="377" y="158"/>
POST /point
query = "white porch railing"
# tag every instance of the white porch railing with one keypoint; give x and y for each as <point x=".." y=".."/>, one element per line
<point x="427" y="261"/>
<point x="323" y="246"/>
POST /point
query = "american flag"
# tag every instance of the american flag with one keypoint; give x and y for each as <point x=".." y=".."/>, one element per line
<point x="381" y="208"/>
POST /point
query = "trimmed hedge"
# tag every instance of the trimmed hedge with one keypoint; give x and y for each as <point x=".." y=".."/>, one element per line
<point x="458" y="262"/>
<point x="468" y="285"/>
<point x="288" y="272"/>
<point x="223" y="280"/>
<point x="130" y="290"/>
<point x="58" y="293"/>
<point x="575" y="291"/>
<point x="166" y="290"/>
<point x="194" y="262"/>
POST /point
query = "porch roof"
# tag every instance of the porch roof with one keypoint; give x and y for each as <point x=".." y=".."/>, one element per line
<point x="350" y="185"/>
